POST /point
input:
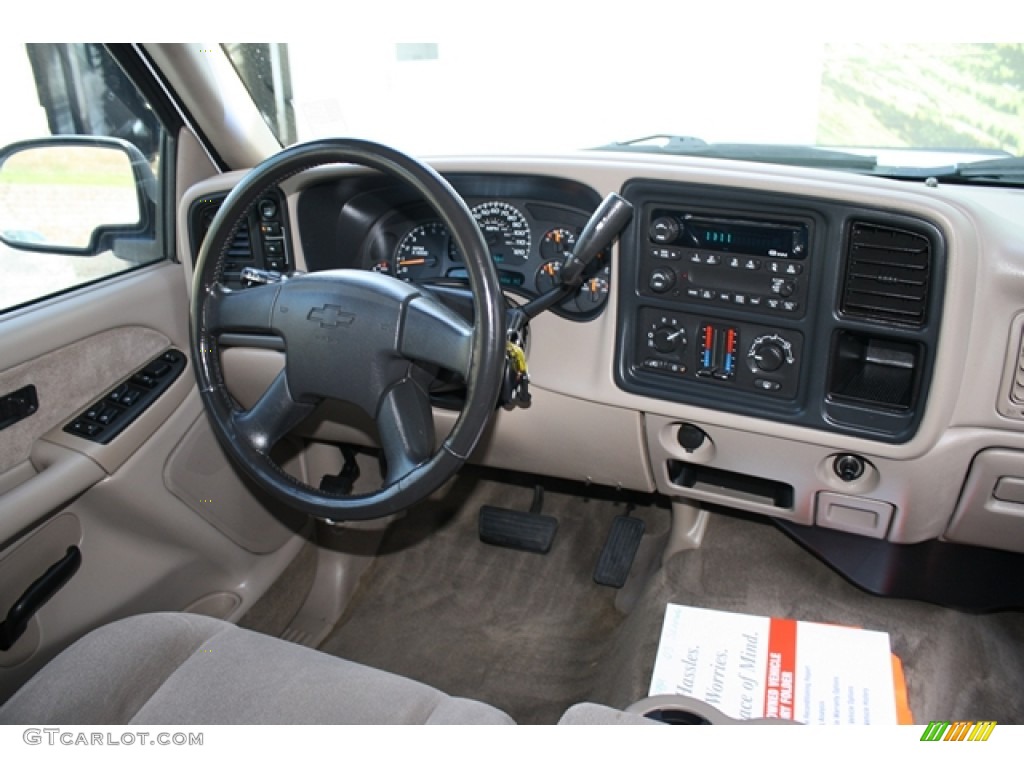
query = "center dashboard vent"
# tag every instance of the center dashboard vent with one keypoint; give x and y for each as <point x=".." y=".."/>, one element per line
<point x="887" y="274"/>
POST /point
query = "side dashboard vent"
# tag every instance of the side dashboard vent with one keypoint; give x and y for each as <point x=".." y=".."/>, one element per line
<point x="887" y="274"/>
<point x="239" y="249"/>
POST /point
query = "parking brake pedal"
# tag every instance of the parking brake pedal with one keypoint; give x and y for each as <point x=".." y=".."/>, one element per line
<point x="529" y="531"/>
<point x="620" y="547"/>
<point x="343" y="482"/>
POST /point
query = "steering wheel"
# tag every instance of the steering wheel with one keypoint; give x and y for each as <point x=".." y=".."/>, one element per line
<point x="353" y="336"/>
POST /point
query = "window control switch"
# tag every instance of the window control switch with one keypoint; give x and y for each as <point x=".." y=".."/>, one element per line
<point x="105" y="420"/>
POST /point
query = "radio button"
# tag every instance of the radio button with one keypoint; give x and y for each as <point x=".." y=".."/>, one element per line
<point x="767" y="385"/>
<point x="755" y="301"/>
<point x="794" y="269"/>
<point x="725" y="296"/>
<point x="666" y="254"/>
<point x="734" y="263"/>
<point x="707" y="295"/>
<point x="739" y="298"/>
<point x="752" y="264"/>
<point x="713" y="259"/>
<point x="693" y="293"/>
<point x="790" y="306"/>
<point x="774" y="303"/>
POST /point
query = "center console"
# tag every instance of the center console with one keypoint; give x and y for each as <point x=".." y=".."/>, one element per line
<point x="801" y="310"/>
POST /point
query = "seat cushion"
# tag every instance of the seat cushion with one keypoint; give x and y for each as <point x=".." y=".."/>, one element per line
<point x="179" y="668"/>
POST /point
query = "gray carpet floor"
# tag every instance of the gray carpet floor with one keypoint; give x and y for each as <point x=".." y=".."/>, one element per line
<point x="532" y="634"/>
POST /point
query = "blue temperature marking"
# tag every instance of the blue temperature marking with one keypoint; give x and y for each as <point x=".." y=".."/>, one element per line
<point x="707" y="358"/>
<point x="729" y="362"/>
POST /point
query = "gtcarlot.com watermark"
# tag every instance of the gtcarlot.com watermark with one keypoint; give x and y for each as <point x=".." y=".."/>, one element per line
<point x="69" y="738"/>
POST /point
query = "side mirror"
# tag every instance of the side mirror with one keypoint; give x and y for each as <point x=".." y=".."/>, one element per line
<point x="74" y="195"/>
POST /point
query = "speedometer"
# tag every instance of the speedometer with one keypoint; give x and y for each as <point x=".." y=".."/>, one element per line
<point x="505" y="230"/>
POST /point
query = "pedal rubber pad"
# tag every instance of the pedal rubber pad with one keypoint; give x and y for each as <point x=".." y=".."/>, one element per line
<point x="517" y="530"/>
<point x="620" y="547"/>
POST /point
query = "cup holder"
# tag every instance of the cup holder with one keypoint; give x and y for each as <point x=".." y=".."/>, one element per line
<point x="677" y="717"/>
<point x="684" y="710"/>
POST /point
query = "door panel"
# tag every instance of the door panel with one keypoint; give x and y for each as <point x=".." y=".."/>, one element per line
<point x="143" y="547"/>
<point x="162" y="520"/>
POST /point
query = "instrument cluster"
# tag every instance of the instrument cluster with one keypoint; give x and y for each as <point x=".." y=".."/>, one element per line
<point x="529" y="242"/>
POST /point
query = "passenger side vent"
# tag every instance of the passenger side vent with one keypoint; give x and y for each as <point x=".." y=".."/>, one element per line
<point x="887" y="274"/>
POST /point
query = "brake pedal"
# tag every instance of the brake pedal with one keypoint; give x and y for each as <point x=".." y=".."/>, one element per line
<point x="528" y="531"/>
<point x="619" y="551"/>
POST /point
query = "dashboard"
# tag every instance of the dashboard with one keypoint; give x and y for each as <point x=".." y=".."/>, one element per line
<point x="837" y="352"/>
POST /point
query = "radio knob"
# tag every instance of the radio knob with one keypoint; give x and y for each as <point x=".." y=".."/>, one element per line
<point x="664" y="230"/>
<point x="668" y="340"/>
<point x="662" y="280"/>
<point x="786" y="288"/>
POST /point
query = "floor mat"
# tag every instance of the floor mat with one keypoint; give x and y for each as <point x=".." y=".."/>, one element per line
<point x="958" y="666"/>
<point x="522" y="631"/>
<point x="533" y="634"/>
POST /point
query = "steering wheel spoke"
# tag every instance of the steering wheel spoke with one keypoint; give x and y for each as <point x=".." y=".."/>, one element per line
<point x="405" y="423"/>
<point x="249" y="310"/>
<point x="432" y="333"/>
<point x="274" y="415"/>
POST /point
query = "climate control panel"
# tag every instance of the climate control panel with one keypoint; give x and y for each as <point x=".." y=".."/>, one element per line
<point x="739" y="355"/>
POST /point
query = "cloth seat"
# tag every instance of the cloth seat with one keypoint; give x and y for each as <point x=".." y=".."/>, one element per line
<point x="179" y="668"/>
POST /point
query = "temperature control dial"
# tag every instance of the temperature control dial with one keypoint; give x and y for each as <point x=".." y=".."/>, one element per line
<point x="769" y="353"/>
<point x="668" y="340"/>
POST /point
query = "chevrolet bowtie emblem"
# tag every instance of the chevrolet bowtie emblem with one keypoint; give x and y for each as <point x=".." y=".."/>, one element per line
<point x="330" y="316"/>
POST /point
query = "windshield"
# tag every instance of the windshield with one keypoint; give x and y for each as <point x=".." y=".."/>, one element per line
<point x="908" y="105"/>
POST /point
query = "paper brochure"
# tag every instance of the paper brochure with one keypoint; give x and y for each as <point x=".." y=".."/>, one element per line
<point x="756" y="666"/>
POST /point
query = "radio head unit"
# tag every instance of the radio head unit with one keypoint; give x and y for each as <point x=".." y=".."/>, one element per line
<point x="728" y="235"/>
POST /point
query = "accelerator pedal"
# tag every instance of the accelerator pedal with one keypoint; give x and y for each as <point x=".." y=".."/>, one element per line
<point x="620" y="547"/>
<point x="529" y="531"/>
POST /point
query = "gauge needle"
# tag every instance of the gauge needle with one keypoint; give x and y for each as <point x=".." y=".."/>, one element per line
<point x="412" y="262"/>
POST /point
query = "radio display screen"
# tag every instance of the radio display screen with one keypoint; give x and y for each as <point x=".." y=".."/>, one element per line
<point x="734" y="235"/>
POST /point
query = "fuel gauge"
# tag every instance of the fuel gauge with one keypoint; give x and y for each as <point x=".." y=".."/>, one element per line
<point x="594" y="291"/>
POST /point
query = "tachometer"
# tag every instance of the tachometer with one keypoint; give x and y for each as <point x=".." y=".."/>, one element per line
<point x="421" y="251"/>
<point x="505" y="230"/>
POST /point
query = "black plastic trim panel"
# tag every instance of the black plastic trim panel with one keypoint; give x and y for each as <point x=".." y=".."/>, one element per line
<point x="107" y="418"/>
<point x="266" y="234"/>
<point x="954" y="575"/>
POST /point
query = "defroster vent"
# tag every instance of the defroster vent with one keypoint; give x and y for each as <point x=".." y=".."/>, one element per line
<point x="887" y="274"/>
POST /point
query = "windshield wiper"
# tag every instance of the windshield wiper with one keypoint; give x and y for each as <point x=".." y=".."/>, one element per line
<point x="782" y="154"/>
<point x="998" y="169"/>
